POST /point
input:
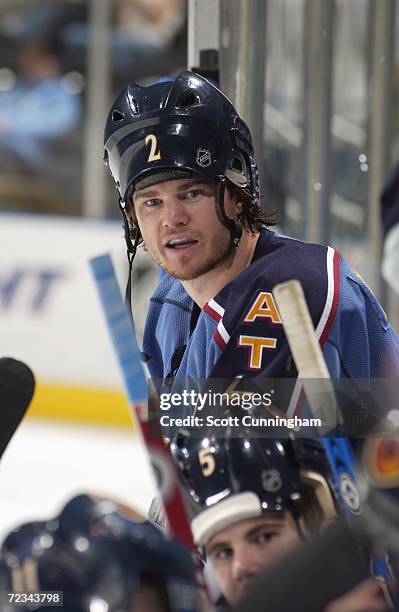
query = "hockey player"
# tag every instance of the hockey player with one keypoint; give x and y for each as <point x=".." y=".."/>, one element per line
<point x="183" y="163"/>
<point x="99" y="557"/>
<point x="256" y="501"/>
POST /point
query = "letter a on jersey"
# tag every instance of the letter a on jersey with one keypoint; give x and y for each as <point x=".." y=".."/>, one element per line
<point x="264" y="308"/>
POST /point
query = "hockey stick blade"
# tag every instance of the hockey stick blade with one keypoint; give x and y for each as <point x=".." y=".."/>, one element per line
<point x="128" y="355"/>
<point x="17" y="385"/>
<point x="307" y="353"/>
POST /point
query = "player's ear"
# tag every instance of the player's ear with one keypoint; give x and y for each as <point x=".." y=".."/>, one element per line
<point x="239" y="207"/>
<point x="236" y="200"/>
<point x="238" y="204"/>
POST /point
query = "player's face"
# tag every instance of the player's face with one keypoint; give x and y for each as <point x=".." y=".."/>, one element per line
<point x="244" y="551"/>
<point x="180" y="225"/>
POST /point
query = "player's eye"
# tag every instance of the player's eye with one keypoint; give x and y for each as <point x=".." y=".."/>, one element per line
<point x="192" y="194"/>
<point x="151" y="202"/>
<point x="221" y="554"/>
<point x="264" y="536"/>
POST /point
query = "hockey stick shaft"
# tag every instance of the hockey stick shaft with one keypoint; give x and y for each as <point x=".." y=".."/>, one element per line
<point x="314" y="374"/>
<point x="128" y="355"/>
<point x="306" y="352"/>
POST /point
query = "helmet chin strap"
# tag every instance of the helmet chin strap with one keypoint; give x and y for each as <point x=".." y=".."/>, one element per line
<point x="233" y="225"/>
<point x="131" y="248"/>
<point x="131" y="253"/>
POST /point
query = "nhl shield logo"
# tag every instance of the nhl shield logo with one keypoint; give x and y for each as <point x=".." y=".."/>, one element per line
<point x="349" y="493"/>
<point x="271" y="480"/>
<point x="204" y="157"/>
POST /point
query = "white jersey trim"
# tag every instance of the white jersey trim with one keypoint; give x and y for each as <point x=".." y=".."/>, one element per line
<point x="223" y="332"/>
<point x="216" y="307"/>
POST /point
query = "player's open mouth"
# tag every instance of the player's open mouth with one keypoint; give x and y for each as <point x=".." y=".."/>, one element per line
<point x="181" y="243"/>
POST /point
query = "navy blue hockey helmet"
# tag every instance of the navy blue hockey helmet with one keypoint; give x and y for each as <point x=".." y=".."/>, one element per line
<point x="177" y="128"/>
<point x="97" y="554"/>
<point x="234" y="478"/>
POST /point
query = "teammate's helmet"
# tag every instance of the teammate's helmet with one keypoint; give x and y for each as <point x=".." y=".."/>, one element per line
<point x="231" y="479"/>
<point x="186" y="125"/>
<point x="97" y="555"/>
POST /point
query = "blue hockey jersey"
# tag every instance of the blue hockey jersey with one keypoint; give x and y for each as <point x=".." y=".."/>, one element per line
<point x="239" y="331"/>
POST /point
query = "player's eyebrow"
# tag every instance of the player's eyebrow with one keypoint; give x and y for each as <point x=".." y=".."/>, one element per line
<point x="217" y="546"/>
<point x="276" y="522"/>
<point x="190" y="184"/>
<point x="144" y="194"/>
<point x="148" y="193"/>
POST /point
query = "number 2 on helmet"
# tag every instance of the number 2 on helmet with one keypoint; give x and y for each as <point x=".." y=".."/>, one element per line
<point x="154" y="154"/>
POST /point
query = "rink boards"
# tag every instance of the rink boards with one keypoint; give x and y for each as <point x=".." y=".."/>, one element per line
<point x="51" y="319"/>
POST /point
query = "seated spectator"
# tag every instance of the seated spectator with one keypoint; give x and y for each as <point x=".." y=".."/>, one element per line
<point x="146" y="37"/>
<point x="36" y="110"/>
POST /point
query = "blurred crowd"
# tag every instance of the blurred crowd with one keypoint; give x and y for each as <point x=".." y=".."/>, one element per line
<point x="43" y="73"/>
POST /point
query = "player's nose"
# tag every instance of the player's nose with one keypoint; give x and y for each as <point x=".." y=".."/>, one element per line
<point x="174" y="213"/>
<point x="245" y="564"/>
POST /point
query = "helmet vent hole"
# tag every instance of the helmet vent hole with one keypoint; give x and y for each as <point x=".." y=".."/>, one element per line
<point x="236" y="165"/>
<point x="189" y="98"/>
<point x="117" y="116"/>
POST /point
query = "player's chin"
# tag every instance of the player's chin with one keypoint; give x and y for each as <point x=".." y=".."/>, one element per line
<point x="242" y="592"/>
<point x="186" y="269"/>
<point x="183" y="273"/>
<point x="237" y="598"/>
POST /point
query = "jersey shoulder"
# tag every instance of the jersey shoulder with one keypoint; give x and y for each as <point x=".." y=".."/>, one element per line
<point x="278" y="259"/>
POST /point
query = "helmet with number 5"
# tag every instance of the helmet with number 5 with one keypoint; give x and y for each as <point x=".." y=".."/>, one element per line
<point x="235" y="478"/>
